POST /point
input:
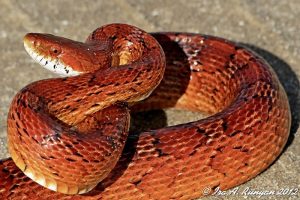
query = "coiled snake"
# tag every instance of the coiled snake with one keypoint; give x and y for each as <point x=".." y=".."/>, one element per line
<point x="68" y="134"/>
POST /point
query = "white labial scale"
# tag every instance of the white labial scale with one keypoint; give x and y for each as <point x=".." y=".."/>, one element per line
<point x="52" y="65"/>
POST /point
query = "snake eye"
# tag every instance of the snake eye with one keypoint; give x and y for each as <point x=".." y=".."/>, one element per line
<point x="55" y="50"/>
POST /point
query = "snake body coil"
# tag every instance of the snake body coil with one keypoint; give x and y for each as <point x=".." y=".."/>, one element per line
<point x="69" y="134"/>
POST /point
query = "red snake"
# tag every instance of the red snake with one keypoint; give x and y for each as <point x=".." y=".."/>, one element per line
<point x="71" y="134"/>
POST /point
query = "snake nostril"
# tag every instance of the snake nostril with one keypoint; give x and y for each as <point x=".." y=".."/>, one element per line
<point x="36" y="43"/>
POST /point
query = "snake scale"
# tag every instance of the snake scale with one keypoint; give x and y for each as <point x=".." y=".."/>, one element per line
<point x="71" y="135"/>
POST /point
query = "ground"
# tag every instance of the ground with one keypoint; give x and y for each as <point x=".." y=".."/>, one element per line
<point x="268" y="27"/>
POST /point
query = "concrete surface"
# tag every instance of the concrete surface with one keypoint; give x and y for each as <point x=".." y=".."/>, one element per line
<point x="269" y="27"/>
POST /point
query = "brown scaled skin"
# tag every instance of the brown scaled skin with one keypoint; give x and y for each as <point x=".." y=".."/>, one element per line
<point x="246" y="132"/>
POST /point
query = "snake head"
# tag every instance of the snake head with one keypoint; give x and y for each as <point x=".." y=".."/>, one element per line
<point x="68" y="57"/>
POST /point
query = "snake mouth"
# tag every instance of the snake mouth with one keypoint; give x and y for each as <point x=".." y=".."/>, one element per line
<point x="51" y="64"/>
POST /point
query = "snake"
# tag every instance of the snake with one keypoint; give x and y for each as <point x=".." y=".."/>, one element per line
<point x="69" y="136"/>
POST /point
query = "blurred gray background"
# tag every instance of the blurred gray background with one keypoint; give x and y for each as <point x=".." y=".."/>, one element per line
<point x="270" y="28"/>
